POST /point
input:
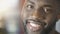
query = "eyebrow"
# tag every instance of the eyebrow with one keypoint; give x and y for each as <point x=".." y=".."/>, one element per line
<point x="47" y="6"/>
<point x="31" y="2"/>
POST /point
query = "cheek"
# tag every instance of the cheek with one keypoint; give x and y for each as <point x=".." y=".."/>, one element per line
<point x="26" y="15"/>
<point x="50" y="19"/>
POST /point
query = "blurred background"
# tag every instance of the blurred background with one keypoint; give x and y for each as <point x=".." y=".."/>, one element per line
<point x="9" y="17"/>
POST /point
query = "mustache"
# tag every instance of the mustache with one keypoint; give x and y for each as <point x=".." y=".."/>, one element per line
<point x="36" y="21"/>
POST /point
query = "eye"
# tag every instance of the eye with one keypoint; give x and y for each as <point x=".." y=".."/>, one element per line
<point x="47" y="9"/>
<point x="30" y="7"/>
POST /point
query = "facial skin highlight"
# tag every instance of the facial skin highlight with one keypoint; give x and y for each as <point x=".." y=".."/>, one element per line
<point x="39" y="15"/>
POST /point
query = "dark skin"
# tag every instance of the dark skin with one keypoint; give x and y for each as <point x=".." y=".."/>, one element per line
<point x="40" y="16"/>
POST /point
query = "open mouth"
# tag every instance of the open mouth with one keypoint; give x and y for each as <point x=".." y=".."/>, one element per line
<point x="35" y="25"/>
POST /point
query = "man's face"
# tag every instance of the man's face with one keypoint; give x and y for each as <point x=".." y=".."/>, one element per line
<point x="38" y="14"/>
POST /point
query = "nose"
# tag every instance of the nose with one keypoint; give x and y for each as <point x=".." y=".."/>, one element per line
<point x="38" y="15"/>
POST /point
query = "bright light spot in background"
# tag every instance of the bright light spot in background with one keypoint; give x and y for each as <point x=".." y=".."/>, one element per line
<point x="58" y="26"/>
<point x="6" y="5"/>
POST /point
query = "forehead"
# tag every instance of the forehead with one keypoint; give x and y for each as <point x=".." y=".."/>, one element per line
<point x="39" y="3"/>
<point x="42" y="1"/>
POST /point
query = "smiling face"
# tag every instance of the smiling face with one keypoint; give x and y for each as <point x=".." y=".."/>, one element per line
<point x="38" y="15"/>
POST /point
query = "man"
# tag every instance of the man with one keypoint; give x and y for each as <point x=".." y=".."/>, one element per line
<point x="40" y="16"/>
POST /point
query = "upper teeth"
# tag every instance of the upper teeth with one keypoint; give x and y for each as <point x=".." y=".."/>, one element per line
<point x="34" y="25"/>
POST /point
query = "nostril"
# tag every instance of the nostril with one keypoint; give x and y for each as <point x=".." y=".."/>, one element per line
<point x="44" y="23"/>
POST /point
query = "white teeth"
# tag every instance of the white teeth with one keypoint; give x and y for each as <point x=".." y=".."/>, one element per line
<point x="34" y="25"/>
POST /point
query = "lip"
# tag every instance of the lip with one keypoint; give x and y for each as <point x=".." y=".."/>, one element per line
<point x="35" y="25"/>
<point x="37" y="22"/>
